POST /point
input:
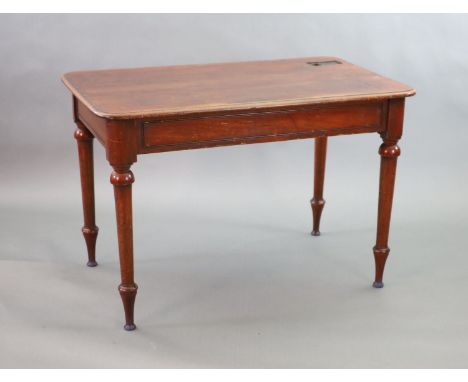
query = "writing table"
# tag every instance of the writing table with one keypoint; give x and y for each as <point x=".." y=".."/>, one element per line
<point x="158" y="109"/>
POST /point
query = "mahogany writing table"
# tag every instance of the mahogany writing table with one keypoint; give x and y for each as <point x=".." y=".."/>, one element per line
<point x="152" y="110"/>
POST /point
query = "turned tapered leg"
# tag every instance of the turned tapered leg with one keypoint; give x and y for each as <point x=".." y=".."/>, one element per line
<point x="122" y="179"/>
<point x="389" y="152"/>
<point x="317" y="201"/>
<point x="85" y="153"/>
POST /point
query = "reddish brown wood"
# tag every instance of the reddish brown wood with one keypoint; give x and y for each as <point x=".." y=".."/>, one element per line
<point x="317" y="201"/>
<point x="84" y="139"/>
<point x="150" y="110"/>
<point x="92" y="122"/>
<point x="261" y="126"/>
<point x="122" y="179"/>
<point x="389" y="152"/>
<point x="236" y="86"/>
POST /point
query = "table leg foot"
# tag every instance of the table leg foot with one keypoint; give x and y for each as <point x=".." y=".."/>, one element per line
<point x="380" y="256"/>
<point x="317" y="208"/>
<point x="128" y="295"/>
<point x="90" y="235"/>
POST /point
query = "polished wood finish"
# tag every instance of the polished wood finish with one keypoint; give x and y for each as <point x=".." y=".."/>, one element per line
<point x="171" y="134"/>
<point x="389" y="152"/>
<point x="122" y="179"/>
<point x="152" y="110"/>
<point x="84" y="139"/>
<point x="227" y="87"/>
<point x="317" y="201"/>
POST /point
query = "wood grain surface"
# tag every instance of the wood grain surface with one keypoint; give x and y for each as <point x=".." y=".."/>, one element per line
<point x="239" y="86"/>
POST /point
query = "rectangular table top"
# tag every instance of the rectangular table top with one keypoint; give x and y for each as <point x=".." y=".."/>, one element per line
<point x="227" y="87"/>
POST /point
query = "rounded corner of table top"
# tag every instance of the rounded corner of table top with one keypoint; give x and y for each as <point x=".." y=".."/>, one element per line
<point x="411" y="92"/>
<point x="67" y="79"/>
<point x="408" y="92"/>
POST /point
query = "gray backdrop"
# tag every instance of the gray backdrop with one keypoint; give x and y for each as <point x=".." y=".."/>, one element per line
<point x="228" y="273"/>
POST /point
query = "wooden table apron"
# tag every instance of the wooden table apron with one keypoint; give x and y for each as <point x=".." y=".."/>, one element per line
<point x="125" y="138"/>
